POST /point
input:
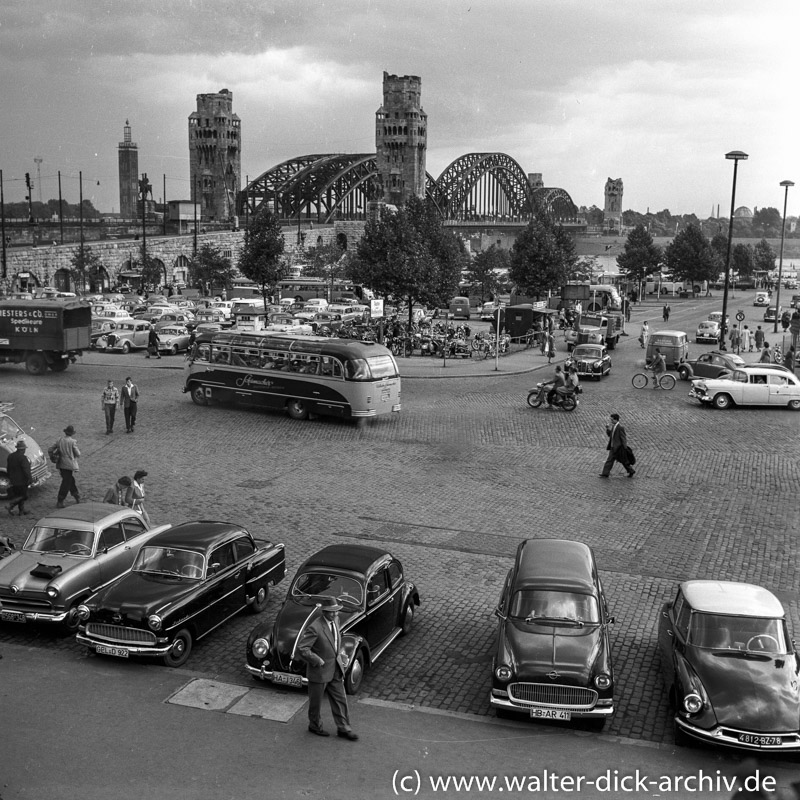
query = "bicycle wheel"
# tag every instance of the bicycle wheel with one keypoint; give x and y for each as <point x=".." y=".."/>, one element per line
<point x="667" y="382"/>
<point x="639" y="380"/>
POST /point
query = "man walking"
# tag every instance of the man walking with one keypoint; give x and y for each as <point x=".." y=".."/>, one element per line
<point x="67" y="465"/>
<point x="617" y="448"/>
<point x="759" y="336"/>
<point x="152" y="343"/>
<point x="129" y="400"/>
<point x="320" y="647"/>
<point x="108" y="402"/>
<point x="18" y="469"/>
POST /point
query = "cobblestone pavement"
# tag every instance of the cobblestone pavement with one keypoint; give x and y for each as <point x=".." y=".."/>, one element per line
<point x="451" y="486"/>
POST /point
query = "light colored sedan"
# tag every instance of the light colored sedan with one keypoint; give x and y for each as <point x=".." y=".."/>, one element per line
<point x="707" y="331"/>
<point x="754" y="386"/>
<point x="173" y="339"/>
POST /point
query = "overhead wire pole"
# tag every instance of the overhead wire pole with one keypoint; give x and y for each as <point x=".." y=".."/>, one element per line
<point x="786" y="185"/>
<point x="3" y="225"/>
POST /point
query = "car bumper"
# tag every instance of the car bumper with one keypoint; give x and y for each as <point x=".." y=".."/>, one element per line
<point x="730" y="737"/>
<point x="132" y="649"/>
<point x="30" y="616"/>
<point x="504" y="703"/>
<point x="269" y="675"/>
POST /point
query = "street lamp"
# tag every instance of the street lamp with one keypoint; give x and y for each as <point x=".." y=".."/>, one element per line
<point x="786" y="185"/>
<point x="736" y="156"/>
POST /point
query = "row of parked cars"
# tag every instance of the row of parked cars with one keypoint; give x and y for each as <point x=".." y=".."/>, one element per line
<point x="130" y="590"/>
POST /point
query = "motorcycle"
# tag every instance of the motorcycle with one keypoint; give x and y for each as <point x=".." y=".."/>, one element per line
<point x="566" y="401"/>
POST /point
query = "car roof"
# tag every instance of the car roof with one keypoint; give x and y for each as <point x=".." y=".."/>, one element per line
<point x="354" y="557"/>
<point x="730" y="597"/>
<point x="555" y="563"/>
<point x="86" y="513"/>
<point x="197" y="535"/>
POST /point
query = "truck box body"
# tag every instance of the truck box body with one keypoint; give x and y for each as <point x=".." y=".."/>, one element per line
<point x="57" y="325"/>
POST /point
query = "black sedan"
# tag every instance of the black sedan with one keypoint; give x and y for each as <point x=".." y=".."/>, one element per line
<point x="591" y="360"/>
<point x="184" y="583"/>
<point x="730" y="667"/>
<point x="379" y="605"/>
<point x="710" y="365"/>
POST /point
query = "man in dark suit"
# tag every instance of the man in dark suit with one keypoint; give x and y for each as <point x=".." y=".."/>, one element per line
<point x="617" y="448"/>
<point x="320" y="646"/>
<point x="18" y="469"/>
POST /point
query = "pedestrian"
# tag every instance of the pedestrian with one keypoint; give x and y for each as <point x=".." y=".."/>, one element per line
<point x="551" y="346"/>
<point x="665" y="312"/>
<point x="735" y="339"/>
<point x="152" y="343"/>
<point x="18" y="472"/>
<point x="129" y="400"/>
<point x="136" y="495"/>
<point x="118" y="494"/>
<point x="320" y="647"/>
<point x="67" y="465"/>
<point x="759" y="338"/>
<point x="645" y="334"/>
<point x="627" y="310"/>
<point x="108" y="402"/>
<point x="788" y="361"/>
<point x="746" y="340"/>
<point x="766" y="355"/>
<point x="617" y="448"/>
<point x="669" y="311"/>
<point x="659" y="367"/>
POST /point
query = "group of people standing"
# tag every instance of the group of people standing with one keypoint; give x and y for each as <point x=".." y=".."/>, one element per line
<point x="129" y="492"/>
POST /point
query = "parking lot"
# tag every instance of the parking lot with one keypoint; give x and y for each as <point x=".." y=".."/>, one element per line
<point x="451" y="486"/>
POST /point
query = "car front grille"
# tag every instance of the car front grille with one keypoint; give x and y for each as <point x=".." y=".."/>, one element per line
<point x="18" y="602"/>
<point x="547" y="694"/>
<point x="119" y="633"/>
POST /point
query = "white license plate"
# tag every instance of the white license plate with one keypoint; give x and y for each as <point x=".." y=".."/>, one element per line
<point x="119" y="652"/>
<point x="285" y="679"/>
<point x="551" y="713"/>
<point x="12" y="616"/>
<point x="760" y="741"/>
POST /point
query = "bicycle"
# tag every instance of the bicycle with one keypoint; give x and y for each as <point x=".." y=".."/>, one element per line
<point x="665" y="381"/>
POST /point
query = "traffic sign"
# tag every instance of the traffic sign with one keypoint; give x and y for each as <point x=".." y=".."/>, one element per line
<point x="740" y="316"/>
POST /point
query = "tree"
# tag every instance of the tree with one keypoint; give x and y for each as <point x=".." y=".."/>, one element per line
<point x="542" y="258"/>
<point x="151" y="269"/>
<point x="640" y="257"/>
<point x="763" y="256"/>
<point x="742" y="260"/>
<point x="483" y="275"/>
<point x="409" y="255"/>
<point x="767" y="222"/>
<point x="210" y="268"/>
<point x="689" y="256"/>
<point x="87" y="267"/>
<point x="260" y="259"/>
<point x="325" y="261"/>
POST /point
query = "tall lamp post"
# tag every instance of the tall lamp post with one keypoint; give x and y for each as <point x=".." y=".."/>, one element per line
<point x="786" y="185"/>
<point x="736" y="156"/>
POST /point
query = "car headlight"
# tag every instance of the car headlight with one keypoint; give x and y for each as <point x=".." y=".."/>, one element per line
<point x="260" y="648"/>
<point x="83" y="612"/>
<point x="503" y="673"/>
<point x="693" y="703"/>
<point x="598" y="364"/>
<point x="603" y="681"/>
<point x="52" y="591"/>
<point x="154" y="621"/>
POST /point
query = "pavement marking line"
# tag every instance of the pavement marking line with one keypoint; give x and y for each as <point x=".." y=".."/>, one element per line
<point x="230" y="698"/>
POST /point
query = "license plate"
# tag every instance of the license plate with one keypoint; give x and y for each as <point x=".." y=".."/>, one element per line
<point x="285" y="679"/>
<point x="551" y="713"/>
<point x="760" y="741"/>
<point x="119" y="652"/>
<point x="12" y="616"/>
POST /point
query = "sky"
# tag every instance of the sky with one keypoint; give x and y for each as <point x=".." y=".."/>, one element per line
<point x="652" y="92"/>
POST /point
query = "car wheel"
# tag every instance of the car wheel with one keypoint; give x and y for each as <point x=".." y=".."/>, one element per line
<point x="5" y="486"/>
<point x="259" y="604"/>
<point x="181" y="649"/>
<point x="684" y="373"/>
<point x="36" y="364"/>
<point x="794" y="405"/>
<point x="199" y="395"/>
<point x="408" y="618"/>
<point x="355" y="675"/>
<point x="722" y="401"/>
<point x="126" y="347"/>
<point x="297" y="409"/>
<point x="174" y="349"/>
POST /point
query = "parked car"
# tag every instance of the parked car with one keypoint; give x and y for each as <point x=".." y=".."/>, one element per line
<point x="730" y="667"/>
<point x="101" y="326"/>
<point x="489" y="310"/>
<point x="110" y="312"/>
<point x="762" y="299"/>
<point x="707" y="331"/>
<point x="379" y="605"/>
<point x="772" y="313"/>
<point x="459" y="307"/>
<point x="716" y="316"/>
<point x="326" y="320"/>
<point x="10" y="434"/>
<point x="185" y="582"/>
<point x="284" y="323"/>
<point x="173" y="339"/>
<point x="710" y="365"/>
<point x="591" y="360"/>
<point x="553" y="657"/>
<point x="127" y="336"/>
<point x="180" y="318"/>
<point x="759" y="385"/>
<point x="68" y="556"/>
<point x="155" y="312"/>
<point x="213" y="315"/>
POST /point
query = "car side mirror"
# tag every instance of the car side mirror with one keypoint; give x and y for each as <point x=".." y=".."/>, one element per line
<point x="498" y="612"/>
<point x="213" y="568"/>
<point x="611" y="620"/>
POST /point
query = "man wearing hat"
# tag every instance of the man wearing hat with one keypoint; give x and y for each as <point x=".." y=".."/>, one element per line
<point x="18" y="469"/>
<point x="67" y="465"/>
<point x="320" y="647"/>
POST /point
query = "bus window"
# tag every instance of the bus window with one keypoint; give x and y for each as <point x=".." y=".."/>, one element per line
<point x="202" y="352"/>
<point x="356" y="369"/>
<point x="382" y="367"/>
<point x="330" y="367"/>
<point x="220" y="355"/>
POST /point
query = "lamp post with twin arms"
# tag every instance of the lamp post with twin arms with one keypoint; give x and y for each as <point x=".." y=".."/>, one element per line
<point x="786" y="185"/>
<point x="736" y="156"/>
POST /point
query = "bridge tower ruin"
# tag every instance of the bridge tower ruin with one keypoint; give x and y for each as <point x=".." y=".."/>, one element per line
<point x="215" y="155"/>
<point x="401" y="139"/>
<point x="128" y="175"/>
<point x="612" y="211"/>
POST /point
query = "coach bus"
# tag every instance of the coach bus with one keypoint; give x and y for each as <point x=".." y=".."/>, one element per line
<point x="302" y="375"/>
<point x="302" y="289"/>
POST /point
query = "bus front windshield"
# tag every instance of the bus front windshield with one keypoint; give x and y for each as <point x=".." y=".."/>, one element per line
<point x="374" y="368"/>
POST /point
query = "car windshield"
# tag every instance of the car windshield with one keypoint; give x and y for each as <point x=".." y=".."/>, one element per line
<point x="729" y="632"/>
<point x="51" y="539"/>
<point x="9" y="429"/>
<point x="587" y="352"/>
<point x="541" y="606"/>
<point x="328" y="584"/>
<point x="170" y="561"/>
<point x="171" y="331"/>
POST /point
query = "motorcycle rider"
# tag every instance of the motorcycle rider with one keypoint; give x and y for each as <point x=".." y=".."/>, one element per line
<point x="558" y="382"/>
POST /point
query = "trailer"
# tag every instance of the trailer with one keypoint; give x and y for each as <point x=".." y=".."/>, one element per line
<point x="44" y="334"/>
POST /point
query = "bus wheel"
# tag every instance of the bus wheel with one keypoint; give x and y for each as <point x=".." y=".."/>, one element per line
<point x="36" y="364"/>
<point x="297" y="409"/>
<point x="199" y="395"/>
